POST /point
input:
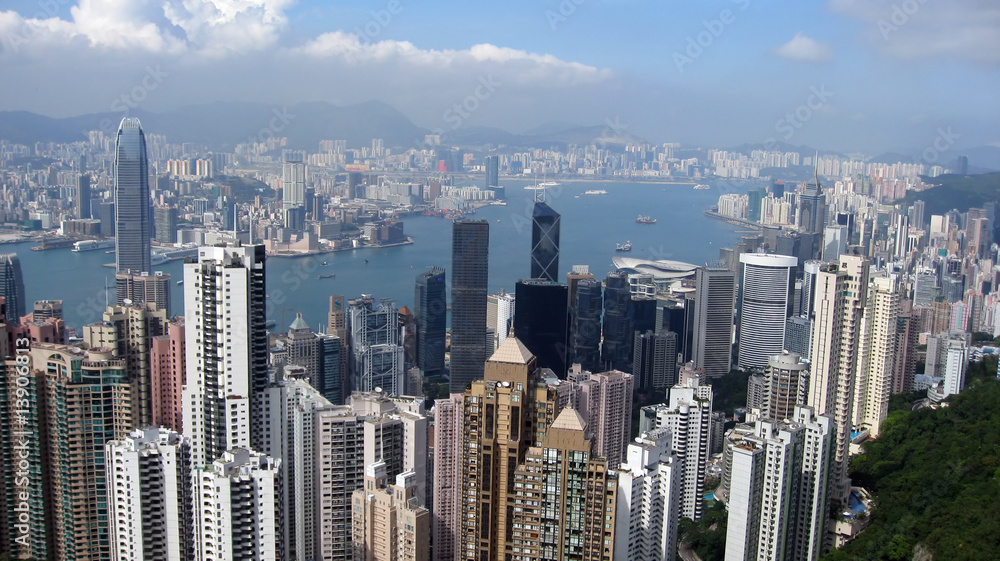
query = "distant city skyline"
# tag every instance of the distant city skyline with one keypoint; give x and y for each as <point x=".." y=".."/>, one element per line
<point x="840" y="75"/>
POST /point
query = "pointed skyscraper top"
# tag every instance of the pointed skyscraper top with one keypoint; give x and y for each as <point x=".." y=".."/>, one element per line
<point x="298" y="323"/>
<point x="569" y="419"/>
<point x="512" y="351"/>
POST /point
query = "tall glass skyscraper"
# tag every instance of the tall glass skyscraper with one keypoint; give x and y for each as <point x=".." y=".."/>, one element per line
<point x="132" y="220"/>
<point x="470" y="252"/>
<point x="544" y="242"/>
<point x="12" y="287"/>
<point x="431" y="309"/>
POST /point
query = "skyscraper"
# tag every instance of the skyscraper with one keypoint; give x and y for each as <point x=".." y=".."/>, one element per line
<point x="786" y="381"/>
<point x="226" y="340"/>
<point x="377" y="352"/>
<point x="878" y="354"/>
<point x="618" y="329"/>
<point x="654" y="362"/>
<point x="83" y="196"/>
<point x="540" y="321"/>
<point x="132" y="220"/>
<point x="493" y="171"/>
<point x="585" y="328"/>
<point x="293" y="175"/>
<point x="12" y="287"/>
<point x="389" y="523"/>
<point x="765" y="303"/>
<point x="648" y="500"/>
<point x="142" y="288"/>
<point x="713" y="320"/>
<point x="470" y="253"/>
<point x="431" y="309"/>
<point x="544" y="242"/>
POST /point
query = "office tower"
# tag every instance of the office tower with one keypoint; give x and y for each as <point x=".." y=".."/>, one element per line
<point x="235" y="507"/>
<point x="878" y="354"/>
<point x="777" y="492"/>
<point x="687" y="415"/>
<point x="166" y="367"/>
<point x="470" y="250"/>
<point x="293" y="176"/>
<point x="642" y="310"/>
<point x="149" y="496"/>
<point x="128" y="331"/>
<point x="786" y="381"/>
<point x="765" y="303"/>
<point x="389" y="523"/>
<point x="604" y="400"/>
<point x="540" y="322"/>
<point x="648" y="510"/>
<point x="839" y="303"/>
<point x="144" y="288"/>
<point x="376" y="352"/>
<point x="812" y="208"/>
<point x="447" y="494"/>
<point x="798" y="335"/>
<point x="907" y="339"/>
<point x="493" y="171"/>
<point x="654" y="362"/>
<point x="577" y="274"/>
<point x="12" y="287"/>
<point x="835" y="239"/>
<point x="431" y="309"/>
<point x="83" y="196"/>
<point x="585" y="325"/>
<point x="499" y="316"/>
<point x="226" y="341"/>
<point x="618" y="329"/>
<point x="917" y="214"/>
<point x="544" y="242"/>
<point x="962" y="166"/>
<point x="754" y="199"/>
<point x="106" y="213"/>
<point x="317" y="353"/>
<point x="165" y="220"/>
<point x="715" y="300"/>
<point x="47" y="309"/>
<point x="336" y="324"/>
<point x="132" y="220"/>
<point x="956" y="361"/>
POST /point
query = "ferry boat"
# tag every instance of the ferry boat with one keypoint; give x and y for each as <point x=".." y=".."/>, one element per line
<point x="701" y="187"/>
<point x="326" y="276"/>
<point x="91" y="245"/>
<point x="627" y="246"/>
<point x="548" y="184"/>
<point x="596" y="192"/>
<point x="645" y="220"/>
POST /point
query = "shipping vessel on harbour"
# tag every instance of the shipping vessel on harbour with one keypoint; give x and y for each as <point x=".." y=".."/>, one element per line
<point x="91" y="245"/>
<point x="627" y="246"/>
<point x="596" y="192"/>
<point x="641" y="219"/>
<point x="701" y="187"/>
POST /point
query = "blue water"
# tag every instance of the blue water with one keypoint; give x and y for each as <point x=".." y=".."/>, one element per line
<point x="591" y="225"/>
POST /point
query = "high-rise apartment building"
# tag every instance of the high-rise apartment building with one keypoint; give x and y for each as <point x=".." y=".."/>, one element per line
<point x="715" y="302"/>
<point x="470" y="252"/>
<point x="688" y="417"/>
<point x="648" y="510"/>
<point x="499" y="316"/>
<point x="431" y="310"/>
<point x="544" y="242"/>
<point x="47" y="309"/>
<point x="149" y="496"/>
<point x="293" y="181"/>
<point x="492" y="171"/>
<point x="226" y="341"/>
<point x="132" y="204"/>
<point x="878" y="354"/>
<point x="376" y="351"/>
<point x="654" y="362"/>
<point x="765" y="303"/>
<point x="12" y="287"/>
<point x="786" y="382"/>
<point x="839" y="304"/>
<point x="604" y="400"/>
<point x="144" y="288"/>
<point x="167" y="376"/>
<point x="389" y="522"/>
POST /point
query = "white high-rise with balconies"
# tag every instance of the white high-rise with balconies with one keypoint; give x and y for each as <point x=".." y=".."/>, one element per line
<point x="877" y="362"/>
<point x="648" y="509"/>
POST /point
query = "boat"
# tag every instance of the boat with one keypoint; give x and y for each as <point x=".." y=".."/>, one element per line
<point x="324" y="264"/>
<point x="269" y="324"/>
<point x="499" y="203"/>
<point x="180" y="282"/>
<point x="596" y="192"/>
<point x="701" y="187"/>
<point x="538" y="187"/>
<point x="627" y="246"/>
<point x="645" y="220"/>
<point x="326" y="276"/>
<point x="157" y="259"/>
<point x="545" y="184"/>
<point x="91" y="245"/>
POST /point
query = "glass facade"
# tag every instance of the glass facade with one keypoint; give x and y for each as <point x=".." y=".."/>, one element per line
<point x="132" y="221"/>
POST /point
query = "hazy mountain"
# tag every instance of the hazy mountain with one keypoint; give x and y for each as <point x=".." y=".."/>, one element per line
<point x="552" y="135"/>
<point x="956" y="191"/>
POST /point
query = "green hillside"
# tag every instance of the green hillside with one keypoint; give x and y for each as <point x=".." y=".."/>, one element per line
<point x="961" y="192"/>
<point x="935" y="479"/>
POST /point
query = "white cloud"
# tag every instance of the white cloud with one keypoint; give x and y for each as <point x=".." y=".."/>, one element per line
<point x="805" y="49"/>
<point x="916" y="29"/>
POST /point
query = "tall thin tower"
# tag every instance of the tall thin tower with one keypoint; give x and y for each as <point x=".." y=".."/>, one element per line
<point x="131" y="199"/>
<point x="544" y="241"/>
<point x="470" y="252"/>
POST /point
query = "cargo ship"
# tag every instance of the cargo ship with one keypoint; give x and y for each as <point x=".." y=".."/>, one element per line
<point x="627" y="246"/>
<point x="645" y="220"/>
<point x="91" y="245"/>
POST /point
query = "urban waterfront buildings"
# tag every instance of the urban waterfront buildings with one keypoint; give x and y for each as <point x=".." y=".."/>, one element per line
<point x="132" y="203"/>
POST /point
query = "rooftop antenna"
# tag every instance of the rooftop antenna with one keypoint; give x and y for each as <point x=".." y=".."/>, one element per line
<point x="236" y="222"/>
<point x="816" y="170"/>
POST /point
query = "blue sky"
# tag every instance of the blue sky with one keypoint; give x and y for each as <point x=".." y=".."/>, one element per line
<point x="894" y="74"/>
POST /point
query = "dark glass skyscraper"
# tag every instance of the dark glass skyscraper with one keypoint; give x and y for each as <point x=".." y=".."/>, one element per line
<point x="431" y="309"/>
<point x="619" y="330"/>
<point x="470" y="252"/>
<point x="544" y="242"/>
<point x="585" y="344"/>
<point x="12" y="287"/>
<point x="540" y="321"/>
<point x="83" y="196"/>
<point x="492" y="171"/>
<point x="132" y="221"/>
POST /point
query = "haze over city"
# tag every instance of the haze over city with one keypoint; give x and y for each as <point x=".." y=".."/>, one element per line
<point x="841" y="75"/>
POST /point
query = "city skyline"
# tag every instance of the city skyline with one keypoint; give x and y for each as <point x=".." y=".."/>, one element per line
<point x="805" y="70"/>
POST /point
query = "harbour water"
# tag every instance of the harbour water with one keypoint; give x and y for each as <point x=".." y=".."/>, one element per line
<point x="591" y="225"/>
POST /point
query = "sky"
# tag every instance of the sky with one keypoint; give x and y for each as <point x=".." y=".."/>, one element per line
<point x="863" y="76"/>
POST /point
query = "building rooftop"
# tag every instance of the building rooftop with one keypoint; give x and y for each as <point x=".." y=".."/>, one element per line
<point x="512" y="351"/>
<point x="570" y="419"/>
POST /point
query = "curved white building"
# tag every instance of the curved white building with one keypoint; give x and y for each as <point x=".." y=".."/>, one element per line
<point x="765" y="291"/>
<point x="662" y="269"/>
